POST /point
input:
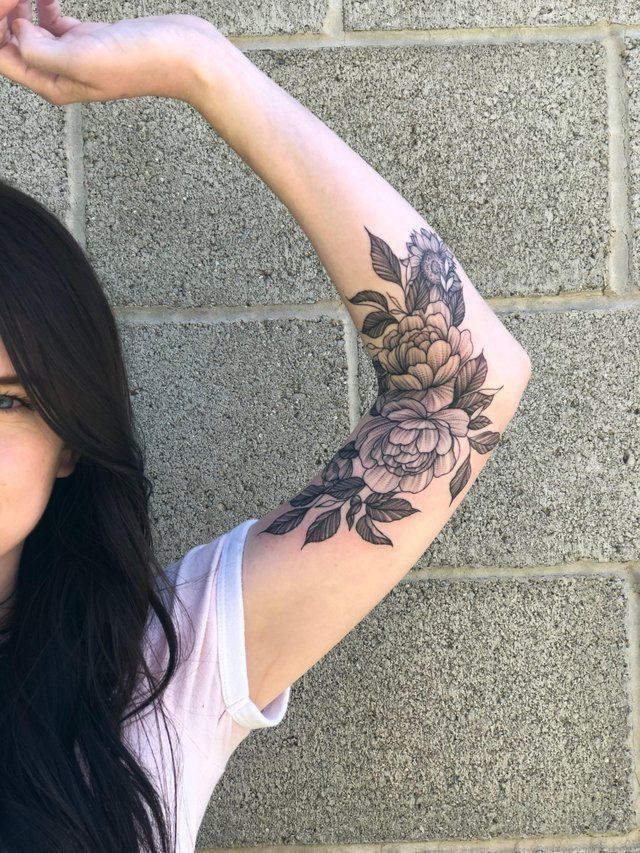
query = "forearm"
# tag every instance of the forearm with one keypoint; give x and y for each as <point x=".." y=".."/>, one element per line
<point x="357" y="222"/>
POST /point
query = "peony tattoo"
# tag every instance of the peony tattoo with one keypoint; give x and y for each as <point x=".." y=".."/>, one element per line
<point x="428" y="412"/>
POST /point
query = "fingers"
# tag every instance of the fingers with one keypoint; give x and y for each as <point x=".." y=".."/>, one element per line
<point x="42" y="51"/>
<point x="37" y="57"/>
<point x="9" y="10"/>
<point x="13" y="66"/>
<point x="50" y="17"/>
<point x="54" y="88"/>
<point x="20" y="11"/>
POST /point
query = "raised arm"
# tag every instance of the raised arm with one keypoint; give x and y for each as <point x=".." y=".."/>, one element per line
<point x="359" y="225"/>
<point x="450" y="377"/>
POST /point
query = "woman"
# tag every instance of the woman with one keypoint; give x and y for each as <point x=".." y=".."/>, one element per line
<point x="93" y="630"/>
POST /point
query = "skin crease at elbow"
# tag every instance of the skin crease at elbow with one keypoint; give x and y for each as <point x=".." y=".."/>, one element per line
<point x="32" y="456"/>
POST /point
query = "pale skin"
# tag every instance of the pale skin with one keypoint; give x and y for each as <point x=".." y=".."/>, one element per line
<point x="32" y="456"/>
<point x="69" y="61"/>
<point x="301" y="598"/>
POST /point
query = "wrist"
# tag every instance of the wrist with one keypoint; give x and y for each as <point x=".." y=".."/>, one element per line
<point x="212" y="59"/>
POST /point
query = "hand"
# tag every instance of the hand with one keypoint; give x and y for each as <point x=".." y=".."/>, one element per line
<point x="68" y="61"/>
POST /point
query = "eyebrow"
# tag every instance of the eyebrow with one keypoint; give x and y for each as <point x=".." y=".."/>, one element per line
<point x="11" y="380"/>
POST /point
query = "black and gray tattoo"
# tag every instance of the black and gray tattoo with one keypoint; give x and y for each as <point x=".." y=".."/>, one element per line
<point x="428" y="412"/>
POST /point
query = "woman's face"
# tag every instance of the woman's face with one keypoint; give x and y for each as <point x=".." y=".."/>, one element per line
<point x="31" y="457"/>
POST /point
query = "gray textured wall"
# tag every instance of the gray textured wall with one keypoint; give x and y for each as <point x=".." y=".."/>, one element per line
<point x="491" y="700"/>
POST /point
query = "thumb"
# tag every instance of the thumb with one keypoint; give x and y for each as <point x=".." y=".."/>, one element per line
<point x="41" y="49"/>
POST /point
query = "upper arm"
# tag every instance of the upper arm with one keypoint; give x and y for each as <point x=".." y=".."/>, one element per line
<point x="315" y="566"/>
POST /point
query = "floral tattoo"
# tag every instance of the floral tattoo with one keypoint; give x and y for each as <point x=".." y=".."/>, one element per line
<point x="430" y="396"/>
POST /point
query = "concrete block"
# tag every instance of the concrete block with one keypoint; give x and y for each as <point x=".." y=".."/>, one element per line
<point x="467" y="14"/>
<point x="268" y="17"/>
<point x="33" y="143"/>
<point x="236" y="417"/>
<point x="502" y="148"/>
<point x="457" y="709"/>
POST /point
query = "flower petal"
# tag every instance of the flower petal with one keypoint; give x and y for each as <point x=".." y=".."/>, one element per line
<point x="427" y="440"/>
<point x="444" y="464"/>
<point x="439" y="353"/>
<point x="416" y="482"/>
<point x="405" y="407"/>
<point x="404" y="381"/>
<point x="438" y="323"/>
<point x="399" y="435"/>
<point x="423" y="373"/>
<point x="466" y="346"/>
<point x="411" y="321"/>
<point x="380" y="479"/>
<point x="369" y="438"/>
<point x="447" y="371"/>
<point x="456" y="419"/>
<point x="438" y="397"/>
<point x="445" y="441"/>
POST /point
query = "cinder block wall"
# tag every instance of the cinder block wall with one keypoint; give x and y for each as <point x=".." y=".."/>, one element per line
<point x="491" y="700"/>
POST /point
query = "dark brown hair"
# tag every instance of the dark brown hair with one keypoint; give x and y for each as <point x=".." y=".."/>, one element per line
<point x="73" y="656"/>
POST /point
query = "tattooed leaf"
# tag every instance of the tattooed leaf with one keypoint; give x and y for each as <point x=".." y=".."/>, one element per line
<point x="323" y="527"/>
<point x="460" y="479"/>
<point x="456" y="305"/>
<point x="331" y="471"/>
<point x="470" y="376"/>
<point x="286" y="522"/>
<point x="348" y="451"/>
<point x="379" y="497"/>
<point x="307" y="495"/>
<point x="471" y="402"/>
<point x="370" y="533"/>
<point x="346" y="487"/>
<point x="480" y="422"/>
<point x="391" y="510"/>
<point x="354" y="508"/>
<point x="376" y="322"/>
<point x="477" y="400"/>
<point x="381" y="376"/>
<point x="382" y="399"/>
<point x="484" y="442"/>
<point x="370" y="296"/>
<point x="397" y="304"/>
<point x="385" y="263"/>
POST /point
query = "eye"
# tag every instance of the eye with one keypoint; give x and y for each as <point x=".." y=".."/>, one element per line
<point x="22" y="400"/>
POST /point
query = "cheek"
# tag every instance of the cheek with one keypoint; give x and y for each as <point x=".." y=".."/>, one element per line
<point x="26" y="481"/>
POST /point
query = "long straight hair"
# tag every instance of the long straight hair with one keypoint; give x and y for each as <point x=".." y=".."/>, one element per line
<point x="73" y="657"/>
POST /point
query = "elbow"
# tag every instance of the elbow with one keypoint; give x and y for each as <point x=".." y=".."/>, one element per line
<point x="519" y="377"/>
<point x="525" y="367"/>
<point x="514" y="378"/>
<point x="515" y="366"/>
<point x="523" y="364"/>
